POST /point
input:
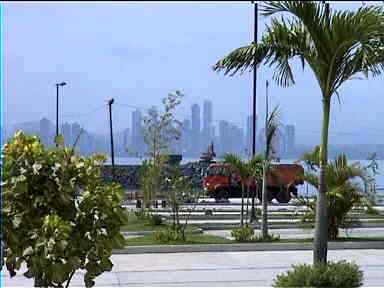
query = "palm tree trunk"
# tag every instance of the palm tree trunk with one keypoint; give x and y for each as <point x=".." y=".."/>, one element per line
<point x="253" y="209"/>
<point x="246" y="218"/>
<point x="264" y="200"/>
<point x="242" y="205"/>
<point x="321" y="225"/>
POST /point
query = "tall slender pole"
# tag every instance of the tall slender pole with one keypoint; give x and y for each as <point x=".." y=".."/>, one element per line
<point x="253" y="210"/>
<point x="57" y="110"/>
<point x="110" y="102"/>
<point x="57" y="107"/>
<point x="254" y="85"/>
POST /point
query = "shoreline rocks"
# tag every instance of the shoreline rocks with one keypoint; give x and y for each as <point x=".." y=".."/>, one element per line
<point x="129" y="175"/>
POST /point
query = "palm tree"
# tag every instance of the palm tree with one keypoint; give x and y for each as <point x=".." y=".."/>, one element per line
<point x="272" y="126"/>
<point x="342" y="194"/>
<point x="336" y="45"/>
<point x="242" y="168"/>
<point x="256" y="175"/>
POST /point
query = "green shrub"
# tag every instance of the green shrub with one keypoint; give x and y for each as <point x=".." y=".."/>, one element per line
<point x="372" y="211"/>
<point x="142" y="215"/>
<point x="338" y="274"/>
<point x="167" y="236"/>
<point x="269" y="238"/>
<point x="244" y="234"/>
<point x="59" y="216"/>
<point x="156" y="220"/>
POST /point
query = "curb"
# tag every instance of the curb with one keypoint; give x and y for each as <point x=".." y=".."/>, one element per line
<point x="245" y="247"/>
<point x="257" y="226"/>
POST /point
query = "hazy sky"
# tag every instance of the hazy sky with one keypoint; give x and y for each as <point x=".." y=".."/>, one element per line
<point x="138" y="52"/>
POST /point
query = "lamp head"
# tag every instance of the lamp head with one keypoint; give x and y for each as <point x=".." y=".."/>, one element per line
<point x="110" y="101"/>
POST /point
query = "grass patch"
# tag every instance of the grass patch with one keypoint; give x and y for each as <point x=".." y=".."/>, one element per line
<point x="191" y="239"/>
<point x="137" y="224"/>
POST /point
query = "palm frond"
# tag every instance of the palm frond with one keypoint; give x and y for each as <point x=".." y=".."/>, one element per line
<point x="242" y="58"/>
<point x="238" y="164"/>
<point x="312" y="158"/>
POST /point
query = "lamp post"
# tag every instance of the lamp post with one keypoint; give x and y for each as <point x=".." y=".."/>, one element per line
<point x="110" y="102"/>
<point x="57" y="106"/>
<point x="253" y="210"/>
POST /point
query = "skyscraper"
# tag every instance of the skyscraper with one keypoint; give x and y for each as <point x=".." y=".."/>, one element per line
<point x="186" y="137"/>
<point x="137" y="134"/>
<point x="196" y="149"/>
<point x="126" y="142"/>
<point x="223" y="137"/>
<point x="290" y="139"/>
<point x="207" y="134"/>
<point x="67" y="134"/>
<point x="45" y="133"/>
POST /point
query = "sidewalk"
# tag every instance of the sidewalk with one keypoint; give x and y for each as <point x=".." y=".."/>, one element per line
<point x="215" y="269"/>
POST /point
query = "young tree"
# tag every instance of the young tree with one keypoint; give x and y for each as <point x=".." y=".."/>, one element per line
<point x="179" y="191"/>
<point x="58" y="214"/>
<point x="160" y="130"/>
<point x="336" y="45"/>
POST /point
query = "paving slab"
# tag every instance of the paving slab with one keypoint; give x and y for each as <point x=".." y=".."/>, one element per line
<point x="225" y="269"/>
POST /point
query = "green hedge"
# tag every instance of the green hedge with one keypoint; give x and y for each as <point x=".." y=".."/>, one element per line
<point x="339" y="274"/>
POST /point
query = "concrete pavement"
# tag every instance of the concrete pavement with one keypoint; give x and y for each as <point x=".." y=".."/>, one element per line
<point x="216" y="269"/>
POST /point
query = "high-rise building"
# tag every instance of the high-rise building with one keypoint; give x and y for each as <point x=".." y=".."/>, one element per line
<point x="290" y="139"/>
<point x="196" y="148"/>
<point x="207" y="133"/>
<point x="126" y="137"/>
<point x="186" y="138"/>
<point x="45" y="133"/>
<point x="223" y="137"/>
<point x="67" y="134"/>
<point x="137" y="133"/>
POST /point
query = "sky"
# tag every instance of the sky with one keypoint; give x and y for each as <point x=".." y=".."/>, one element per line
<point x="137" y="52"/>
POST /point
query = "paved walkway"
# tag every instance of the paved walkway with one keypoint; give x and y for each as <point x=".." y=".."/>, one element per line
<point x="216" y="269"/>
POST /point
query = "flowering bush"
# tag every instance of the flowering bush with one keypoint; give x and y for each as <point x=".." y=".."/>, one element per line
<point x="58" y="215"/>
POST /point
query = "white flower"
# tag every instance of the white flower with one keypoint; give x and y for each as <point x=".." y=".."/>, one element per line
<point x="20" y="178"/>
<point x="22" y="170"/>
<point x="88" y="235"/>
<point x="80" y="165"/>
<point x="36" y="167"/>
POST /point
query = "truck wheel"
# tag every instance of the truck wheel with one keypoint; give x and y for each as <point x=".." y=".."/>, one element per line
<point x="283" y="197"/>
<point x="222" y="194"/>
<point x="270" y="195"/>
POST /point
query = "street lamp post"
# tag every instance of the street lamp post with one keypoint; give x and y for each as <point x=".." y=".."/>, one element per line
<point x="110" y="102"/>
<point x="57" y="106"/>
<point x="253" y="210"/>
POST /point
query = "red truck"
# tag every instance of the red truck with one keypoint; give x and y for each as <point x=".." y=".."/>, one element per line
<point x="222" y="182"/>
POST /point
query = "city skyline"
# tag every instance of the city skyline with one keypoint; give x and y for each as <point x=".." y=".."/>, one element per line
<point x="226" y="137"/>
